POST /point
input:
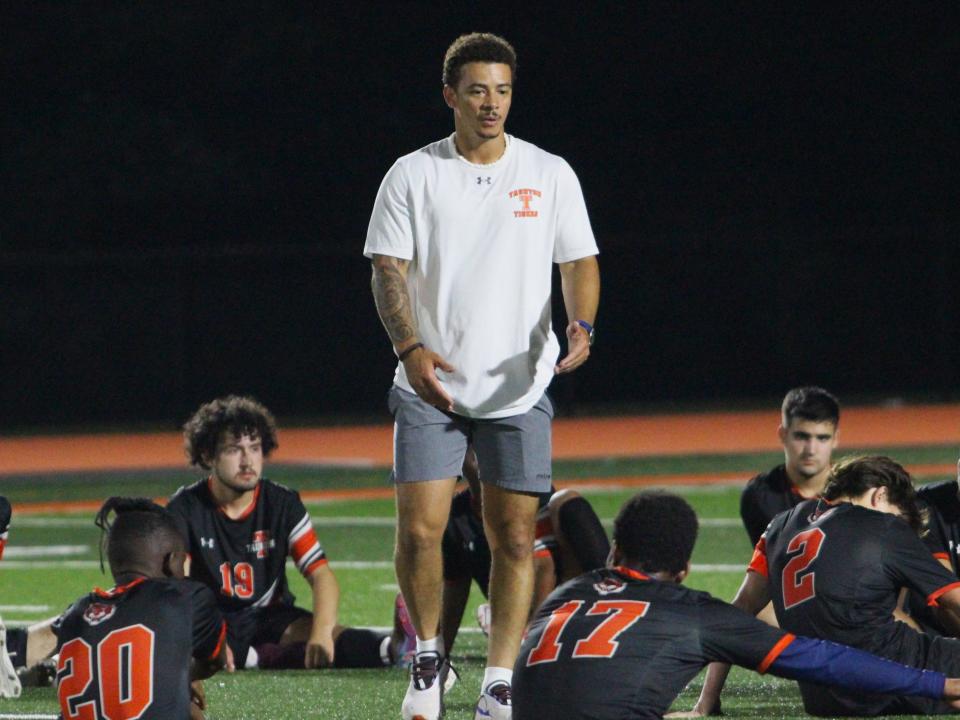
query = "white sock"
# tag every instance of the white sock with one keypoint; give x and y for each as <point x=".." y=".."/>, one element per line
<point x="496" y="674"/>
<point x="252" y="659"/>
<point x="425" y="646"/>
<point x="385" y="650"/>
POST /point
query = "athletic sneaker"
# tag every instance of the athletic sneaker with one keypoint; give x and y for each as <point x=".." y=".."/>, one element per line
<point x="403" y="640"/>
<point x="494" y="702"/>
<point x="9" y="681"/>
<point x="424" y="698"/>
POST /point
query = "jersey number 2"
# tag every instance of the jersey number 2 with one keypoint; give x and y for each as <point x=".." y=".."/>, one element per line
<point x="124" y="661"/>
<point x="798" y="584"/>
<point x="601" y="643"/>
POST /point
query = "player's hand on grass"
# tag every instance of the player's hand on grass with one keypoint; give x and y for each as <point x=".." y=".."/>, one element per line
<point x="319" y="652"/>
<point x="421" y="367"/>
<point x="230" y="666"/>
<point x="951" y="692"/>
<point x="198" y="701"/>
<point x="578" y="349"/>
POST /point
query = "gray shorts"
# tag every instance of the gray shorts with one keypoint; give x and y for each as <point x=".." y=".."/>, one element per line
<point x="429" y="444"/>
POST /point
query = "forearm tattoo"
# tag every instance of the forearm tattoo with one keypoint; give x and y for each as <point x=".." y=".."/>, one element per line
<point x="393" y="302"/>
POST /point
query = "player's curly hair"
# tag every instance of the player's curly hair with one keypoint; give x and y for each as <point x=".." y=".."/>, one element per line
<point x="851" y="477"/>
<point x="810" y="403"/>
<point x="656" y="530"/>
<point x="140" y="529"/>
<point x="234" y="414"/>
<point x="477" y="47"/>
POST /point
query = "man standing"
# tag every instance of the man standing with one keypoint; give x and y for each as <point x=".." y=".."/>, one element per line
<point x="463" y="236"/>
<point x="241" y="527"/>
<point x="808" y="431"/>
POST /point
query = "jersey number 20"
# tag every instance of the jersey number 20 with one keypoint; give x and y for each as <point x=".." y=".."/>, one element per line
<point x="601" y="643"/>
<point x="124" y="662"/>
<point x="798" y="584"/>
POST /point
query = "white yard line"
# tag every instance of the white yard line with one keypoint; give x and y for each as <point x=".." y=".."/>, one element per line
<point x="25" y="608"/>
<point x="31" y="551"/>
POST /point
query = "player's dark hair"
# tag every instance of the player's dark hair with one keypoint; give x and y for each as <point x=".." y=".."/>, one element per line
<point x="656" y="531"/>
<point x="477" y="47"/>
<point x="853" y="476"/>
<point x="810" y="403"/>
<point x="233" y="414"/>
<point x="139" y="531"/>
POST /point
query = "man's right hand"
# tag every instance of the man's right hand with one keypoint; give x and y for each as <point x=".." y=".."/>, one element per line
<point x="421" y="368"/>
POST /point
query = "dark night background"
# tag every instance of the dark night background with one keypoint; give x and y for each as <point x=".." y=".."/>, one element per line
<point x="186" y="190"/>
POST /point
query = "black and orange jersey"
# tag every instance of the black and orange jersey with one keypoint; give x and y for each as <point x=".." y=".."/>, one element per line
<point x="835" y="572"/>
<point x="764" y="497"/>
<point x="125" y="652"/>
<point x="614" y="643"/>
<point x="464" y="545"/>
<point x="5" y="513"/>
<point x="943" y="520"/>
<point x="244" y="560"/>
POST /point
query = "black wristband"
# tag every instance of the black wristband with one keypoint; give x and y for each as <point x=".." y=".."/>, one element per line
<point x="406" y="353"/>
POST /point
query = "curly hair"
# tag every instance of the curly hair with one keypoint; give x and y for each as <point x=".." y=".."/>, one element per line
<point x="851" y="477"/>
<point x="233" y="414"/>
<point x="140" y="530"/>
<point x="656" y="530"/>
<point x="477" y="47"/>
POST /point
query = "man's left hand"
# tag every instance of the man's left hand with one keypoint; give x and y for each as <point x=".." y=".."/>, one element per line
<point x="578" y="349"/>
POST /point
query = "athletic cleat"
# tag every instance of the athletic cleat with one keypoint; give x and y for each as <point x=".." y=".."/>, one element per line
<point x="424" y="698"/>
<point x="448" y="675"/>
<point x="495" y="703"/>
<point x="9" y="681"/>
<point x="483" y="618"/>
<point x="403" y="640"/>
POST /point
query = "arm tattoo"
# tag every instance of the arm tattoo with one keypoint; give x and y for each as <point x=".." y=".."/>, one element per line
<point x="393" y="302"/>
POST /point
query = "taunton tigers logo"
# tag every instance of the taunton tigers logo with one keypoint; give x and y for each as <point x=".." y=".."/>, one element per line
<point x="608" y="586"/>
<point x="98" y="613"/>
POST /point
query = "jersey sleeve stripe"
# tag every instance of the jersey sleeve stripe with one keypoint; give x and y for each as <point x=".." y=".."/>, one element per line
<point x="941" y="555"/>
<point x="775" y="651"/>
<point x="220" y="639"/>
<point x="299" y="529"/>
<point x="541" y="552"/>
<point x="309" y="559"/>
<point x="313" y="566"/>
<point x="932" y="598"/>
<point x="758" y="563"/>
<point x="306" y="544"/>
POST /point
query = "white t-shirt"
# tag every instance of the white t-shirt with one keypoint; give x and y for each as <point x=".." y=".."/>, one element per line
<point x="481" y="240"/>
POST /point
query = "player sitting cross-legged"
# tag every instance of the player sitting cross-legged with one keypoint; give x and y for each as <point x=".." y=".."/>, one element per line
<point x="132" y="651"/>
<point x="835" y="568"/>
<point x="622" y="642"/>
<point x="240" y="528"/>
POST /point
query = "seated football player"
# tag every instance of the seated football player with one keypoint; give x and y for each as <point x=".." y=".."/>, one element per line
<point x="623" y="641"/>
<point x="941" y="502"/>
<point x="22" y="650"/>
<point x="133" y="650"/>
<point x="569" y="541"/>
<point x="809" y="419"/>
<point x="240" y="528"/>
<point x="834" y="569"/>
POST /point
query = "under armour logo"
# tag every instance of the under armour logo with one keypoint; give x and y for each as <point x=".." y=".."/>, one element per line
<point x="481" y="180"/>
<point x="207" y="543"/>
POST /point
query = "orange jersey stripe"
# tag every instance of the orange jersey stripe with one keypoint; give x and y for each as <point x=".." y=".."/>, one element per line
<point x="303" y="545"/>
<point x="775" y="652"/>
<point x="933" y="597"/>
<point x="758" y="563"/>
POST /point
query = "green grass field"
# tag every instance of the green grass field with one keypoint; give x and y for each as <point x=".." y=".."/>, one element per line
<point x="51" y="560"/>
